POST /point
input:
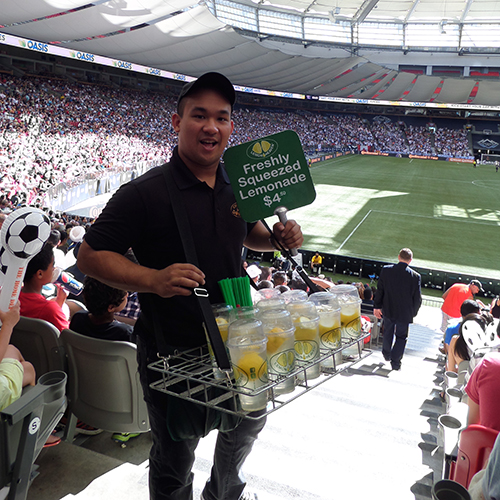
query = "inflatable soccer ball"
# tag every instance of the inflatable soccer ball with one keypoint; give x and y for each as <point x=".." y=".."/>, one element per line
<point x="4" y="258"/>
<point x="26" y="232"/>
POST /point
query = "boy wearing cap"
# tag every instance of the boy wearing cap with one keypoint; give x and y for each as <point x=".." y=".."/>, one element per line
<point x="140" y="216"/>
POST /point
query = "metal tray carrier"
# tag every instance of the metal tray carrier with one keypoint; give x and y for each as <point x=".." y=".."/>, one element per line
<point x="194" y="368"/>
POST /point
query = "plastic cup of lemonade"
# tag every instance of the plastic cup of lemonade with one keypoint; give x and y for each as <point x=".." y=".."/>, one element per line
<point x="350" y="316"/>
<point x="280" y="332"/>
<point x="249" y="360"/>
<point x="329" y="325"/>
<point x="224" y="314"/>
<point x="306" y="321"/>
<point x="350" y="320"/>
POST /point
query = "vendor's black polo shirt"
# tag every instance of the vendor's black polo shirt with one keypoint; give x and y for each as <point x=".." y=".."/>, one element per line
<point x="140" y="216"/>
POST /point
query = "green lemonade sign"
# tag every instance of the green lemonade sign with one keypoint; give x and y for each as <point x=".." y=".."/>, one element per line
<point x="268" y="173"/>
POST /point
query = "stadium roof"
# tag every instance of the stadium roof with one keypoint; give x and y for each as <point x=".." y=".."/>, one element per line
<point x="340" y="48"/>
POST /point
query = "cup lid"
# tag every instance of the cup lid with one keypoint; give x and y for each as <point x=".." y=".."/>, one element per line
<point x="303" y="309"/>
<point x="245" y="328"/>
<point x="276" y="318"/>
<point x="269" y="304"/>
<point x="326" y="299"/>
<point x="267" y="293"/>
<point x="294" y="296"/>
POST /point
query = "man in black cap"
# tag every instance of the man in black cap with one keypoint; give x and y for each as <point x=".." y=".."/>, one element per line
<point x="139" y="216"/>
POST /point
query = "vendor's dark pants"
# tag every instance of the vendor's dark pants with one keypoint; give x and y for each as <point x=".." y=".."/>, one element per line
<point x="171" y="462"/>
<point x="394" y="352"/>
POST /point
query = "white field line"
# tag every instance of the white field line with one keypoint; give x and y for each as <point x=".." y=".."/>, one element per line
<point x="339" y="159"/>
<point x="447" y="219"/>
<point x="353" y="231"/>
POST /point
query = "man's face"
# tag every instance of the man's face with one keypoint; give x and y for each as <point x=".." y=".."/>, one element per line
<point x="474" y="289"/>
<point x="203" y="129"/>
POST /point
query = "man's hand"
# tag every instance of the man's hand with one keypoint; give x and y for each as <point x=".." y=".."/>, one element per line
<point x="177" y="279"/>
<point x="377" y="313"/>
<point x="290" y="236"/>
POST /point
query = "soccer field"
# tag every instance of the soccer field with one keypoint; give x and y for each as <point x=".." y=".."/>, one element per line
<point x="370" y="207"/>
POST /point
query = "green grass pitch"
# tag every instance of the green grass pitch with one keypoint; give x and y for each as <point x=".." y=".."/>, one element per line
<point x="370" y="207"/>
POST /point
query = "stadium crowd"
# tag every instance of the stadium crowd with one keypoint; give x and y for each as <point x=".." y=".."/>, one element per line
<point x="53" y="131"/>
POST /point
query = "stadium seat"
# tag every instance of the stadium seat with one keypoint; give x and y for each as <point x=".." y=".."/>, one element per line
<point x="375" y="331"/>
<point x="328" y="262"/>
<point x="104" y="389"/>
<point x="437" y="279"/>
<point x="371" y="269"/>
<point x="475" y="445"/>
<point x="346" y="265"/>
<point x="39" y="343"/>
<point x="25" y="426"/>
<point x="463" y="373"/>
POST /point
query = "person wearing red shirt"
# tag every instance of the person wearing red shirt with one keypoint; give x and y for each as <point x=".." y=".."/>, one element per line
<point x="33" y="304"/>
<point x="454" y="298"/>
<point x="483" y="388"/>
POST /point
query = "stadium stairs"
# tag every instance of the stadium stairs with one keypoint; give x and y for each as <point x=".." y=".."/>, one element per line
<point x="367" y="433"/>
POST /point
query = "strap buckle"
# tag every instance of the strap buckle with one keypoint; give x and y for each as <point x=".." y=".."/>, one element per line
<point x="200" y="292"/>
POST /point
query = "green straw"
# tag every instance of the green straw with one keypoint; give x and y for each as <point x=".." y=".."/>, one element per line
<point x="236" y="291"/>
<point x="248" y="295"/>
<point x="227" y="292"/>
<point x="240" y="293"/>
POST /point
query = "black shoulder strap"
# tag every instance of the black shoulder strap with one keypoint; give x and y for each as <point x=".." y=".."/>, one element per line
<point x="186" y="235"/>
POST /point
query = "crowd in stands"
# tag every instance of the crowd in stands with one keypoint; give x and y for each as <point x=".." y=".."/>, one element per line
<point x="53" y="131"/>
<point x="471" y="346"/>
<point x="452" y="142"/>
<point x="390" y="136"/>
<point x="279" y="275"/>
<point x="352" y="130"/>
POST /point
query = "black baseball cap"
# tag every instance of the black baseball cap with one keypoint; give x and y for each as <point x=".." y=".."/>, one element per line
<point x="213" y="81"/>
<point x="478" y="284"/>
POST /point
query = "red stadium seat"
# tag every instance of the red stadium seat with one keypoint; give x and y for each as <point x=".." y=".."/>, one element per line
<point x="475" y="445"/>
